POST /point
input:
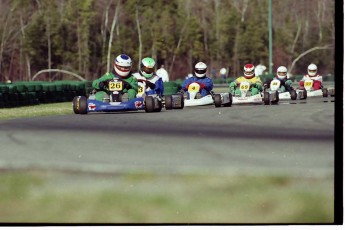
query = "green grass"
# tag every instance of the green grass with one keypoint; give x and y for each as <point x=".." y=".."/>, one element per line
<point x="53" y="197"/>
<point x="36" y="110"/>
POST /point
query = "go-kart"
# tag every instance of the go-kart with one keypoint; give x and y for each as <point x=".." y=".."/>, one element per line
<point x="308" y="86"/>
<point x="293" y="94"/>
<point x="174" y="101"/>
<point x="195" y="98"/>
<point x="247" y="98"/>
<point x="115" y="101"/>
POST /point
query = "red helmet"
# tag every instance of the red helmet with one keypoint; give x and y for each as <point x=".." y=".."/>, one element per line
<point x="249" y="71"/>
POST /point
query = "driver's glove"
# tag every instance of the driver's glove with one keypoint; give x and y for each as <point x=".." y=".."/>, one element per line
<point x="150" y="84"/>
<point x="101" y="85"/>
<point x="126" y="85"/>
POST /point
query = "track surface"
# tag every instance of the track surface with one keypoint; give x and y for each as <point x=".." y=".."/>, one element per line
<point x="285" y="139"/>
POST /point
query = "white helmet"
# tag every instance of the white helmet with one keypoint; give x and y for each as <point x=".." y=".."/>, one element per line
<point x="282" y="72"/>
<point x="312" y="69"/>
<point x="249" y="71"/>
<point x="222" y="71"/>
<point x="200" y="69"/>
<point x="122" y="65"/>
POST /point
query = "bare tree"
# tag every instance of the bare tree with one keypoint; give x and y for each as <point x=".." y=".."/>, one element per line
<point x="116" y="15"/>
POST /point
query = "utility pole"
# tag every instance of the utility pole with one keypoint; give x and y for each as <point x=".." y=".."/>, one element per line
<point x="270" y="63"/>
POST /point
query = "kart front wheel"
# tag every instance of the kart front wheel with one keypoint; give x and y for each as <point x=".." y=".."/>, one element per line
<point x="230" y="101"/>
<point x="303" y="95"/>
<point x="158" y="105"/>
<point x="181" y="98"/>
<point x="168" y="102"/>
<point x="149" y="104"/>
<point x="266" y="98"/>
<point x="217" y="100"/>
<point x="324" y="92"/>
<point x="331" y="92"/>
<point x="79" y="105"/>
<point x="293" y="94"/>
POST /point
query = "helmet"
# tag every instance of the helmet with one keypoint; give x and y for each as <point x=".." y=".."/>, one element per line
<point x="122" y="65"/>
<point x="147" y="67"/>
<point x="249" y="71"/>
<point x="222" y="71"/>
<point x="200" y="69"/>
<point x="312" y="69"/>
<point x="282" y="72"/>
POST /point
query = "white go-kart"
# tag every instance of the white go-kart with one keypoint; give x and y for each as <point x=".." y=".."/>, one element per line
<point x="293" y="94"/>
<point x="308" y="86"/>
<point x="175" y="101"/>
<point x="246" y="96"/>
<point x="196" y="100"/>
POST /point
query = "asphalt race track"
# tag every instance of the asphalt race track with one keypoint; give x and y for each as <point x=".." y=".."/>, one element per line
<point x="288" y="139"/>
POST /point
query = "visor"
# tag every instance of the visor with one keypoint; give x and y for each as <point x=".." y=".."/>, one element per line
<point x="312" y="71"/>
<point x="281" y="73"/>
<point x="123" y="68"/>
<point x="147" y="70"/>
<point x="249" y="73"/>
<point x="200" y="71"/>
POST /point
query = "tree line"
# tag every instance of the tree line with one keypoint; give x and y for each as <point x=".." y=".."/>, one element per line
<point x="84" y="36"/>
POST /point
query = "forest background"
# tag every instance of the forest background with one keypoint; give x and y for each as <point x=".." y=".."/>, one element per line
<point x="84" y="36"/>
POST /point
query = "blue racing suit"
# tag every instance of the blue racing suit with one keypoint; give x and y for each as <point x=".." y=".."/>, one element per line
<point x="206" y="84"/>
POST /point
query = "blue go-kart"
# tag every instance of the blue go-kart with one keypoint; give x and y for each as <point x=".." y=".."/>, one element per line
<point x="115" y="102"/>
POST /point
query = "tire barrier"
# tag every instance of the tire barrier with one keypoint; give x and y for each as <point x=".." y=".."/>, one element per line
<point x="37" y="92"/>
<point x="25" y="93"/>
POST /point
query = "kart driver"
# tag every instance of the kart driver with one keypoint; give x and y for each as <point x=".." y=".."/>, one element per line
<point x="154" y="83"/>
<point x="249" y="76"/>
<point x="121" y="71"/>
<point x="317" y="79"/>
<point x="206" y="83"/>
<point x="285" y="83"/>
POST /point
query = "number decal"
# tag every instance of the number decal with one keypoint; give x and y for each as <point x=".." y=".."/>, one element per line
<point x="309" y="83"/>
<point x="140" y="89"/>
<point x="115" y="86"/>
<point x="275" y="83"/>
<point x="244" y="87"/>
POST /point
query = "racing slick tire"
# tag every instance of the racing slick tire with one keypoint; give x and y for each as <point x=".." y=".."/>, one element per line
<point x="266" y="98"/>
<point x="293" y="94"/>
<point x="230" y="101"/>
<point x="158" y="105"/>
<point x="275" y="102"/>
<point x="324" y="92"/>
<point x="217" y="100"/>
<point x="304" y="94"/>
<point x="80" y="105"/>
<point x="149" y="104"/>
<point x="168" y="102"/>
<point x="331" y="92"/>
<point x="181" y="98"/>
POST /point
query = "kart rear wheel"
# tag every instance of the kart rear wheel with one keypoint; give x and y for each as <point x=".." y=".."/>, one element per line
<point x="168" y="102"/>
<point x="80" y="105"/>
<point x="217" y="100"/>
<point x="266" y="98"/>
<point x="324" y="92"/>
<point x="293" y="94"/>
<point x="149" y="104"/>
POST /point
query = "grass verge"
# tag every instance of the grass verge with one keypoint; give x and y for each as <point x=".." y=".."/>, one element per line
<point x="36" y="110"/>
<point x="60" y="197"/>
